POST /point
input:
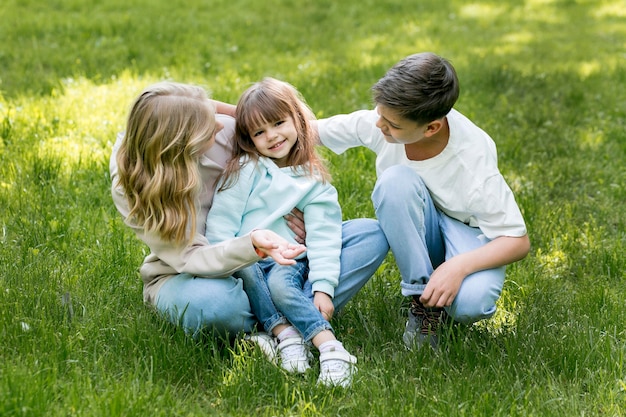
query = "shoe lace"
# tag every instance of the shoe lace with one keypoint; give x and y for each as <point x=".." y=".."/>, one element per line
<point x="430" y="318"/>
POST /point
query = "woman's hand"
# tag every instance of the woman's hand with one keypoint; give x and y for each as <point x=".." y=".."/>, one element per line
<point x="295" y="221"/>
<point x="271" y="244"/>
<point x="324" y="304"/>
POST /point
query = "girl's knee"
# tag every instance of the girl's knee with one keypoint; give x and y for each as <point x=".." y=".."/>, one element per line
<point x="286" y="286"/>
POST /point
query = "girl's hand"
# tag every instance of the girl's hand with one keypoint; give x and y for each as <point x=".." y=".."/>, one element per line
<point x="324" y="304"/>
<point x="271" y="244"/>
<point x="295" y="221"/>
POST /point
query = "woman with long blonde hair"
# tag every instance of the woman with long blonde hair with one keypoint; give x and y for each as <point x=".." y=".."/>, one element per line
<point x="162" y="184"/>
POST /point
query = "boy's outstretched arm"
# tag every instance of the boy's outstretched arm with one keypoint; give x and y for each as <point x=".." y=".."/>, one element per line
<point x="446" y="280"/>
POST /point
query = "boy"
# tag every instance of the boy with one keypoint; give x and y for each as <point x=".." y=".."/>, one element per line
<point x="450" y="218"/>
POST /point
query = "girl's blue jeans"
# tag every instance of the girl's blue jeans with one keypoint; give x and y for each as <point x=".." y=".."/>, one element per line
<point x="222" y="305"/>
<point x="277" y="296"/>
<point x="422" y="238"/>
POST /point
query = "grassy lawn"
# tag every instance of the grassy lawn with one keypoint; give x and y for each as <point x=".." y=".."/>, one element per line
<point x="547" y="80"/>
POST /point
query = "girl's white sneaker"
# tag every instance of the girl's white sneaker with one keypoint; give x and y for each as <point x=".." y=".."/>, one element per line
<point x="294" y="355"/>
<point x="266" y="343"/>
<point x="337" y="368"/>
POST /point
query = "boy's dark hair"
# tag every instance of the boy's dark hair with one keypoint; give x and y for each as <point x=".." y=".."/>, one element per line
<point x="422" y="87"/>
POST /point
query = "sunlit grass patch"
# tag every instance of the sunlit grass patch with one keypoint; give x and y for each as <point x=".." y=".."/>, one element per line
<point x="75" y="123"/>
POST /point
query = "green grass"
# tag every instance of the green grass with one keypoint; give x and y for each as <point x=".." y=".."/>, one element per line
<point x="546" y="78"/>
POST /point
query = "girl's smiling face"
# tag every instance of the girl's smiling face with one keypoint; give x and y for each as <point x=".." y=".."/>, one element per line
<point x="275" y="139"/>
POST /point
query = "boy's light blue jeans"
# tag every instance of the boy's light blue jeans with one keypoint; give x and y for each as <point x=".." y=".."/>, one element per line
<point x="422" y="237"/>
<point x="277" y="296"/>
<point x="221" y="305"/>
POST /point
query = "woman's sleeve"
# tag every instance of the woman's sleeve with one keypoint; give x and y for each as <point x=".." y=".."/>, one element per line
<point x="203" y="259"/>
<point x="198" y="258"/>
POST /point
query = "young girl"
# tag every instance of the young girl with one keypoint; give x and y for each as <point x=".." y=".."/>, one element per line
<point x="274" y="168"/>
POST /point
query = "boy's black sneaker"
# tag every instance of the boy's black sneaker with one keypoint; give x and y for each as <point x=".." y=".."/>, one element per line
<point x="423" y="325"/>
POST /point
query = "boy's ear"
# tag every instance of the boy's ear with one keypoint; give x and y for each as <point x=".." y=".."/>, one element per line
<point x="433" y="127"/>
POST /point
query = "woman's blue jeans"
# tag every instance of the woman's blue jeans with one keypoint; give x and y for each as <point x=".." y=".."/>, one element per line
<point x="277" y="296"/>
<point x="222" y="305"/>
<point x="422" y="238"/>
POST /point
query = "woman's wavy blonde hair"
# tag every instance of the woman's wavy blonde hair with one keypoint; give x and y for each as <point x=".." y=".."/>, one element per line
<point x="268" y="101"/>
<point x="169" y="126"/>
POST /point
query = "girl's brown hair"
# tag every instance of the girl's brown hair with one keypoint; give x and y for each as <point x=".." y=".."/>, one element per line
<point x="169" y="127"/>
<point x="268" y="101"/>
